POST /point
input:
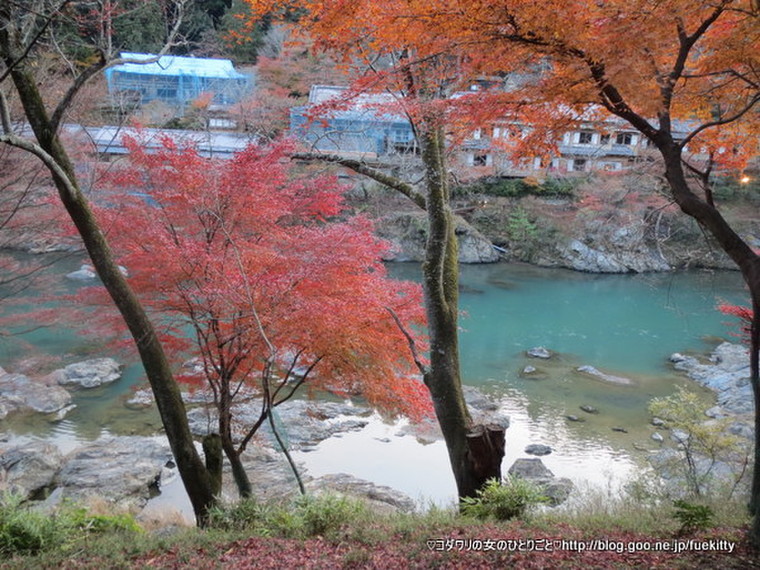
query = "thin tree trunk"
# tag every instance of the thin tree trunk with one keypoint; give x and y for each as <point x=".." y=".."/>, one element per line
<point x="166" y="392"/>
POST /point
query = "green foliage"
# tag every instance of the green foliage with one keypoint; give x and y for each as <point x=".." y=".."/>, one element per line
<point x="503" y="501"/>
<point x="310" y="515"/>
<point x="323" y="514"/>
<point x="520" y="227"/>
<point x="703" y="444"/>
<point x="24" y="530"/>
<point x="692" y="517"/>
<point x="519" y="187"/>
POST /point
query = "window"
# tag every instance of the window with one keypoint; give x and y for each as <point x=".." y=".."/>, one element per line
<point x="584" y="137"/>
<point x="624" y="138"/>
<point x="579" y="164"/>
<point x="604" y="139"/>
<point x="480" y="160"/>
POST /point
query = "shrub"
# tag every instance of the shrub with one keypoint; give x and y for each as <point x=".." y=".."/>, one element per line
<point x="310" y="515"/>
<point x="503" y="501"/>
<point x="326" y="513"/>
<point x="519" y="187"/>
<point x="709" y="456"/>
<point x="692" y="517"/>
<point x="26" y="531"/>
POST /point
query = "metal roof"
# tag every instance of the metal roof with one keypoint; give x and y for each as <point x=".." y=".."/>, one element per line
<point x="172" y="65"/>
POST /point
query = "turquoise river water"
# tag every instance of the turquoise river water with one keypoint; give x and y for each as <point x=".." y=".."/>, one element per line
<point x="625" y="325"/>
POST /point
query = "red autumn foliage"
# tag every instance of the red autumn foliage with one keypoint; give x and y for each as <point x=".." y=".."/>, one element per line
<point x="744" y="314"/>
<point x="248" y="267"/>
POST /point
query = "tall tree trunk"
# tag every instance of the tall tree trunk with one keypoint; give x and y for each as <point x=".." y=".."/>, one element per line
<point x="749" y="264"/>
<point x="167" y="394"/>
<point x="475" y="452"/>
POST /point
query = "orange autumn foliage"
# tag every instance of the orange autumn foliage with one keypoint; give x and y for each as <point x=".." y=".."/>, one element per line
<point x="650" y="62"/>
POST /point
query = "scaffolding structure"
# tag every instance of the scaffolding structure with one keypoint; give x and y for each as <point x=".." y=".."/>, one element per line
<point x="176" y="80"/>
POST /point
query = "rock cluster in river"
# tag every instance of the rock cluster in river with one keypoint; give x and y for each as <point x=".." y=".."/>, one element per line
<point x="48" y="394"/>
<point x="727" y="374"/>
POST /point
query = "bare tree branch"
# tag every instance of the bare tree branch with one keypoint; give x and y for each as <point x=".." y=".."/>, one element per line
<point x="362" y="168"/>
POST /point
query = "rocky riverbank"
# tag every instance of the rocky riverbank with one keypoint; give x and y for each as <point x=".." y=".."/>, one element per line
<point x="726" y="373"/>
<point x="128" y="471"/>
<point x="619" y="228"/>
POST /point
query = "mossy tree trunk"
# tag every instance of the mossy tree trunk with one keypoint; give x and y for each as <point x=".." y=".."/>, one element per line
<point x="51" y="151"/>
<point x="475" y="452"/>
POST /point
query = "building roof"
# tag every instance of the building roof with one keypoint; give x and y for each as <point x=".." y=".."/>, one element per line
<point x="172" y="65"/>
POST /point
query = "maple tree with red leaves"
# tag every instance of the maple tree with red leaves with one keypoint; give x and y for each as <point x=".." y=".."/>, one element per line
<point x="254" y="274"/>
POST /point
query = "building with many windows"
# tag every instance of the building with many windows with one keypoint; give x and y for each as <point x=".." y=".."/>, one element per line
<point x="175" y="80"/>
<point x="366" y="128"/>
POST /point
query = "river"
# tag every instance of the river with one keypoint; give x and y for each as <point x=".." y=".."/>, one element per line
<point x="626" y="325"/>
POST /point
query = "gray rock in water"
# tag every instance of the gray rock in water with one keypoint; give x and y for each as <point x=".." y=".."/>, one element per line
<point x="84" y="273"/>
<point x="612" y="379"/>
<point x="619" y="429"/>
<point x="29" y="469"/>
<point x="91" y="373"/>
<point x="573" y="418"/>
<point x="589" y="409"/>
<point x="140" y="400"/>
<point x="119" y="469"/>
<point x="529" y="369"/>
<point x="539" y="352"/>
<point x="478" y="400"/>
<point x="20" y="393"/>
<point x="531" y="468"/>
<point x="656" y="436"/>
<point x="657" y="422"/>
<point x="303" y="424"/>
<point x="538" y="449"/>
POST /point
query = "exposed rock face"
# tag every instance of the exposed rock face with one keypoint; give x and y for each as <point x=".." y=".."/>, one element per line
<point x="20" y="393"/>
<point x="90" y="373"/>
<point x="534" y="470"/>
<point x="119" y="469"/>
<point x="29" y="468"/>
<point x="619" y="250"/>
<point x="379" y="497"/>
<point x="727" y="375"/>
<point x="407" y="231"/>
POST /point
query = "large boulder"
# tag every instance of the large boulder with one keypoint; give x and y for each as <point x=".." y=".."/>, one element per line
<point x="29" y="469"/>
<point x="90" y="373"/>
<point x="118" y="469"/>
<point x="533" y="469"/>
<point x="378" y="497"/>
<point x="20" y="393"/>
<point x="407" y="231"/>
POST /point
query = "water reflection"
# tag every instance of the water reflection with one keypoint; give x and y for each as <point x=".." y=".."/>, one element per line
<point x="625" y="325"/>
